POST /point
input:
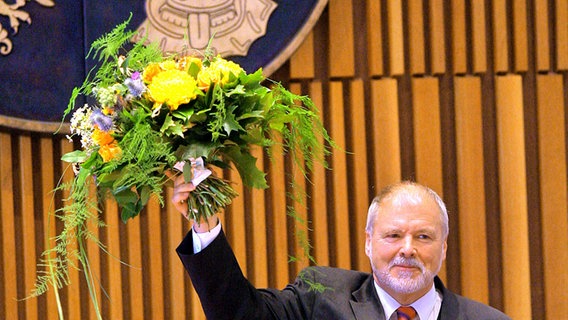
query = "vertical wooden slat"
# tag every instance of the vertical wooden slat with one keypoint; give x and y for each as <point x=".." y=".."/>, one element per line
<point x="479" y="36"/>
<point x="396" y="37"/>
<point x="279" y="234"/>
<point x="416" y="36"/>
<point x="115" y="302"/>
<point x="339" y="173"/>
<point x="500" y="31"/>
<point x="459" y="37"/>
<point x="471" y="189"/>
<point x="386" y="134"/>
<point x="154" y="266"/>
<point x="28" y="221"/>
<point x="427" y="136"/>
<point x="137" y="270"/>
<point x="553" y="192"/>
<point x="175" y="272"/>
<point x="318" y="199"/>
<point x="94" y="252"/>
<point x="73" y="295"/>
<point x="374" y="38"/>
<point x="561" y="34"/>
<point x="298" y="191"/>
<point x="360" y="178"/>
<point x="437" y="37"/>
<point x="258" y="221"/>
<point x="521" y="49"/>
<point x="513" y="196"/>
<point x="302" y="61"/>
<point x="73" y="289"/>
<point x="542" y="46"/>
<point x="47" y="186"/>
<point x="341" y="42"/>
<point x="9" y="274"/>
<point x="235" y="227"/>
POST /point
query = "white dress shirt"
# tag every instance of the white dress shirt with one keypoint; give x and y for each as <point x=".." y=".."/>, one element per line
<point x="427" y="307"/>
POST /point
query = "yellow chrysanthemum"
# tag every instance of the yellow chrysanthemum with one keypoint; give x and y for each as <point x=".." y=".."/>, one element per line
<point x="110" y="151"/>
<point x="172" y="87"/>
<point x="218" y="72"/>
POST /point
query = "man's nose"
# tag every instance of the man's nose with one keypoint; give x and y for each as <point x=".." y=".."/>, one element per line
<point x="408" y="248"/>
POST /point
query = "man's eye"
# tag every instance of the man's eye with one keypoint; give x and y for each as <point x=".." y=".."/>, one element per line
<point x="424" y="237"/>
<point x="393" y="235"/>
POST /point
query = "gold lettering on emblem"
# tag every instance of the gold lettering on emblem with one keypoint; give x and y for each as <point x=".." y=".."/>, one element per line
<point x="231" y="25"/>
<point x="15" y="16"/>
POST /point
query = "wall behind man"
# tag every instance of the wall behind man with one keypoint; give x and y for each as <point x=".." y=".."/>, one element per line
<point x="468" y="97"/>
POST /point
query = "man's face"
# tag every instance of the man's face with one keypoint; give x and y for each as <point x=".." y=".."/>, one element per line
<point x="406" y="247"/>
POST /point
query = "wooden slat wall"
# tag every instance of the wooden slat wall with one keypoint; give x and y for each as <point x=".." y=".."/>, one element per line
<point x="468" y="97"/>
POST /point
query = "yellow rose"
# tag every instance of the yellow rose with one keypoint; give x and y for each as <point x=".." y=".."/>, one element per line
<point x="101" y="137"/>
<point x="110" y="151"/>
<point x="218" y="72"/>
<point x="150" y="71"/>
<point x="186" y="61"/>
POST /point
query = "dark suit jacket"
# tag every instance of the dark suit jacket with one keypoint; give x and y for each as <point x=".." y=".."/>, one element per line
<point x="226" y="294"/>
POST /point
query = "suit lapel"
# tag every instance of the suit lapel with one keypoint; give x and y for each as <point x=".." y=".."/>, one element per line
<point x="450" y="306"/>
<point x="365" y="302"/>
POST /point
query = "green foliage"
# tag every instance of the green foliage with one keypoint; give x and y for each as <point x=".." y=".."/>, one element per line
<point x="143" y="124"/>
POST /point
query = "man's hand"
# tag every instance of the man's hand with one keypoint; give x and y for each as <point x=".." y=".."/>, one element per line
<point x="179" y="200"/>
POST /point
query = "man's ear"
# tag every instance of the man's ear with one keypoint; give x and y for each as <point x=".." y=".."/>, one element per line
<point x="368" y="244"/>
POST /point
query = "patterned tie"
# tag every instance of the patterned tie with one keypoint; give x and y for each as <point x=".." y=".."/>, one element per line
<point x="405" y="313"/>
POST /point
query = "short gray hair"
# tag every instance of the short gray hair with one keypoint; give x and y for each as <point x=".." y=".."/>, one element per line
<point x="407" y="190"/>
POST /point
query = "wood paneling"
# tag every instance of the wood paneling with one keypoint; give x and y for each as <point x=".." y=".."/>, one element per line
<point x="278" y="225"/>
<point x="437" y="37"/>
<point x="318" y="200"/>
<point x="416" y="50"/>
<point x="500" y="32"/>
<point x="302" y="61"/>
<point x="553" y="192"/>
<point x="386" y="134"/>
<point x="10" y="294"/>
<point x="28" y="221"/>
<point x="504" y="94"/>
<point x="341" y="54"/>
<point x="479" y="39"/>
<point x="471" y="188"/>
<point x="520" y="35"/>
<point x="513" y="196"/>
<point x="396" y="37"/>
<point x="359" y="173"/>
<point x="49" y="220"/>
<point x="375" y="38"/>
<point x="340" y="210"/>
<point x="541" y="25"/>
<point x="459" y="36"/>
<point x="561" y="43"/>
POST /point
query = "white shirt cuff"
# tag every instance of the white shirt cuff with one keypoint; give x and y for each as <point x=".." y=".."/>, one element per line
<point x="202" y="240"/>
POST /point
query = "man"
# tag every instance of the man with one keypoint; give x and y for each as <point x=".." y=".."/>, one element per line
<point x="406" y="242"/>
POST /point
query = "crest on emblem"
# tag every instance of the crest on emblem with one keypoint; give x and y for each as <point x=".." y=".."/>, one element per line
<point x="231" y="25"/>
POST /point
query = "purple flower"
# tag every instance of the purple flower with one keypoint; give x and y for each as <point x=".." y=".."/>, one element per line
<point x="100" y="120"/>
<point x="135" y="84"/>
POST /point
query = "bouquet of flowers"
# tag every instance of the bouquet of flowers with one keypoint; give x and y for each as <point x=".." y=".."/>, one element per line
<point x="150" y="113"/>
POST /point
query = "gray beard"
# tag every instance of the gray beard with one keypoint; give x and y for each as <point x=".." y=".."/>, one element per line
<point x="404" y="283"/>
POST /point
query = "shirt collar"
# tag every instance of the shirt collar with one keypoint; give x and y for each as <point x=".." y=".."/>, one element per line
<point x="423" y="306"/>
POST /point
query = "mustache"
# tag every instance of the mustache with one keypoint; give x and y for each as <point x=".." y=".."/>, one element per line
<point x="408" y="262"/>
